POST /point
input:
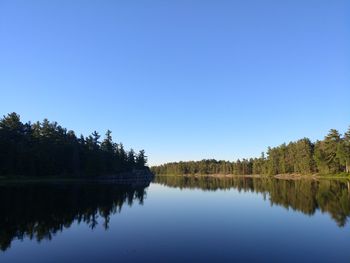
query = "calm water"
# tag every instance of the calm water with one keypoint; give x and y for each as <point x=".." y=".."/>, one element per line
<point x="177" y="220"/>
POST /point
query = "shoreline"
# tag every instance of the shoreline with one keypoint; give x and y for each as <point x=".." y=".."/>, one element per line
<point x="143" y="176"/>
<point x="135" y="177"/>
<point x="277" y="176"/>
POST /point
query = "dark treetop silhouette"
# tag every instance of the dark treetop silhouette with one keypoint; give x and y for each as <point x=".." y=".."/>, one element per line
<point x="329" y="156"/>
<point x="45" y="148"/>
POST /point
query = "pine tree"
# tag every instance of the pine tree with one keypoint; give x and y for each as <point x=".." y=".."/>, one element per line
<point x="343" y="151"/>
<point x="141" y="159"/>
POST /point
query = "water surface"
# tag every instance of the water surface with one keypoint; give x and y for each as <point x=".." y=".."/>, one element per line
<point x="177" y="220"/>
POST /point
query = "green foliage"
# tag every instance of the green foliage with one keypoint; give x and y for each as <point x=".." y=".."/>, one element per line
<point x="343" y="151"/>
<point x="46" y="148"/>
<point x="330" y="156"/>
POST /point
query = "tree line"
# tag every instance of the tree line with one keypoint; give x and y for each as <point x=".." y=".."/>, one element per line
<point x="328" y="156"/>
<point x="45" y="148"/>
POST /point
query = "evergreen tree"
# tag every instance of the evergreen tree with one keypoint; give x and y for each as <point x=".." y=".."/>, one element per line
<point x="131" y="158"/>
<point x="45" y="148"/>
<point x="343" y="151"/>
<point x="332" y="155"/>
<point x="141" y="159"/>
<point x="331" y="145"/>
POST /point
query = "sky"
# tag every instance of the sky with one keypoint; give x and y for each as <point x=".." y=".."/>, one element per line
<point x="184" y="79"/>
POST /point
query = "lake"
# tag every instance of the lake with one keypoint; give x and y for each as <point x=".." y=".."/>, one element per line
<point x="176" y="219"/>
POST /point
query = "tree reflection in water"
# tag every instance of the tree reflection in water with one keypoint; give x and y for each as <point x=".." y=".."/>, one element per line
<point x="41" y="210"/>
<point x="305" y="195"/>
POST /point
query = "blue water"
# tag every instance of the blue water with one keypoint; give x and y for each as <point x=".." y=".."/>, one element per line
<point x="174" y="224"/>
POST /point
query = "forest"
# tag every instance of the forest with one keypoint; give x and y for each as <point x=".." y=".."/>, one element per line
<point x="47" y="149"/>
<point x="328" y="156"/>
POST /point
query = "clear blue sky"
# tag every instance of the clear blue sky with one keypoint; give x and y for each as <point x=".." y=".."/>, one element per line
<point x="182" y="79"/>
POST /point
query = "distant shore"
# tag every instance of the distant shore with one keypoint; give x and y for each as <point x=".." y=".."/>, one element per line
<point x="278" y="176"/>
